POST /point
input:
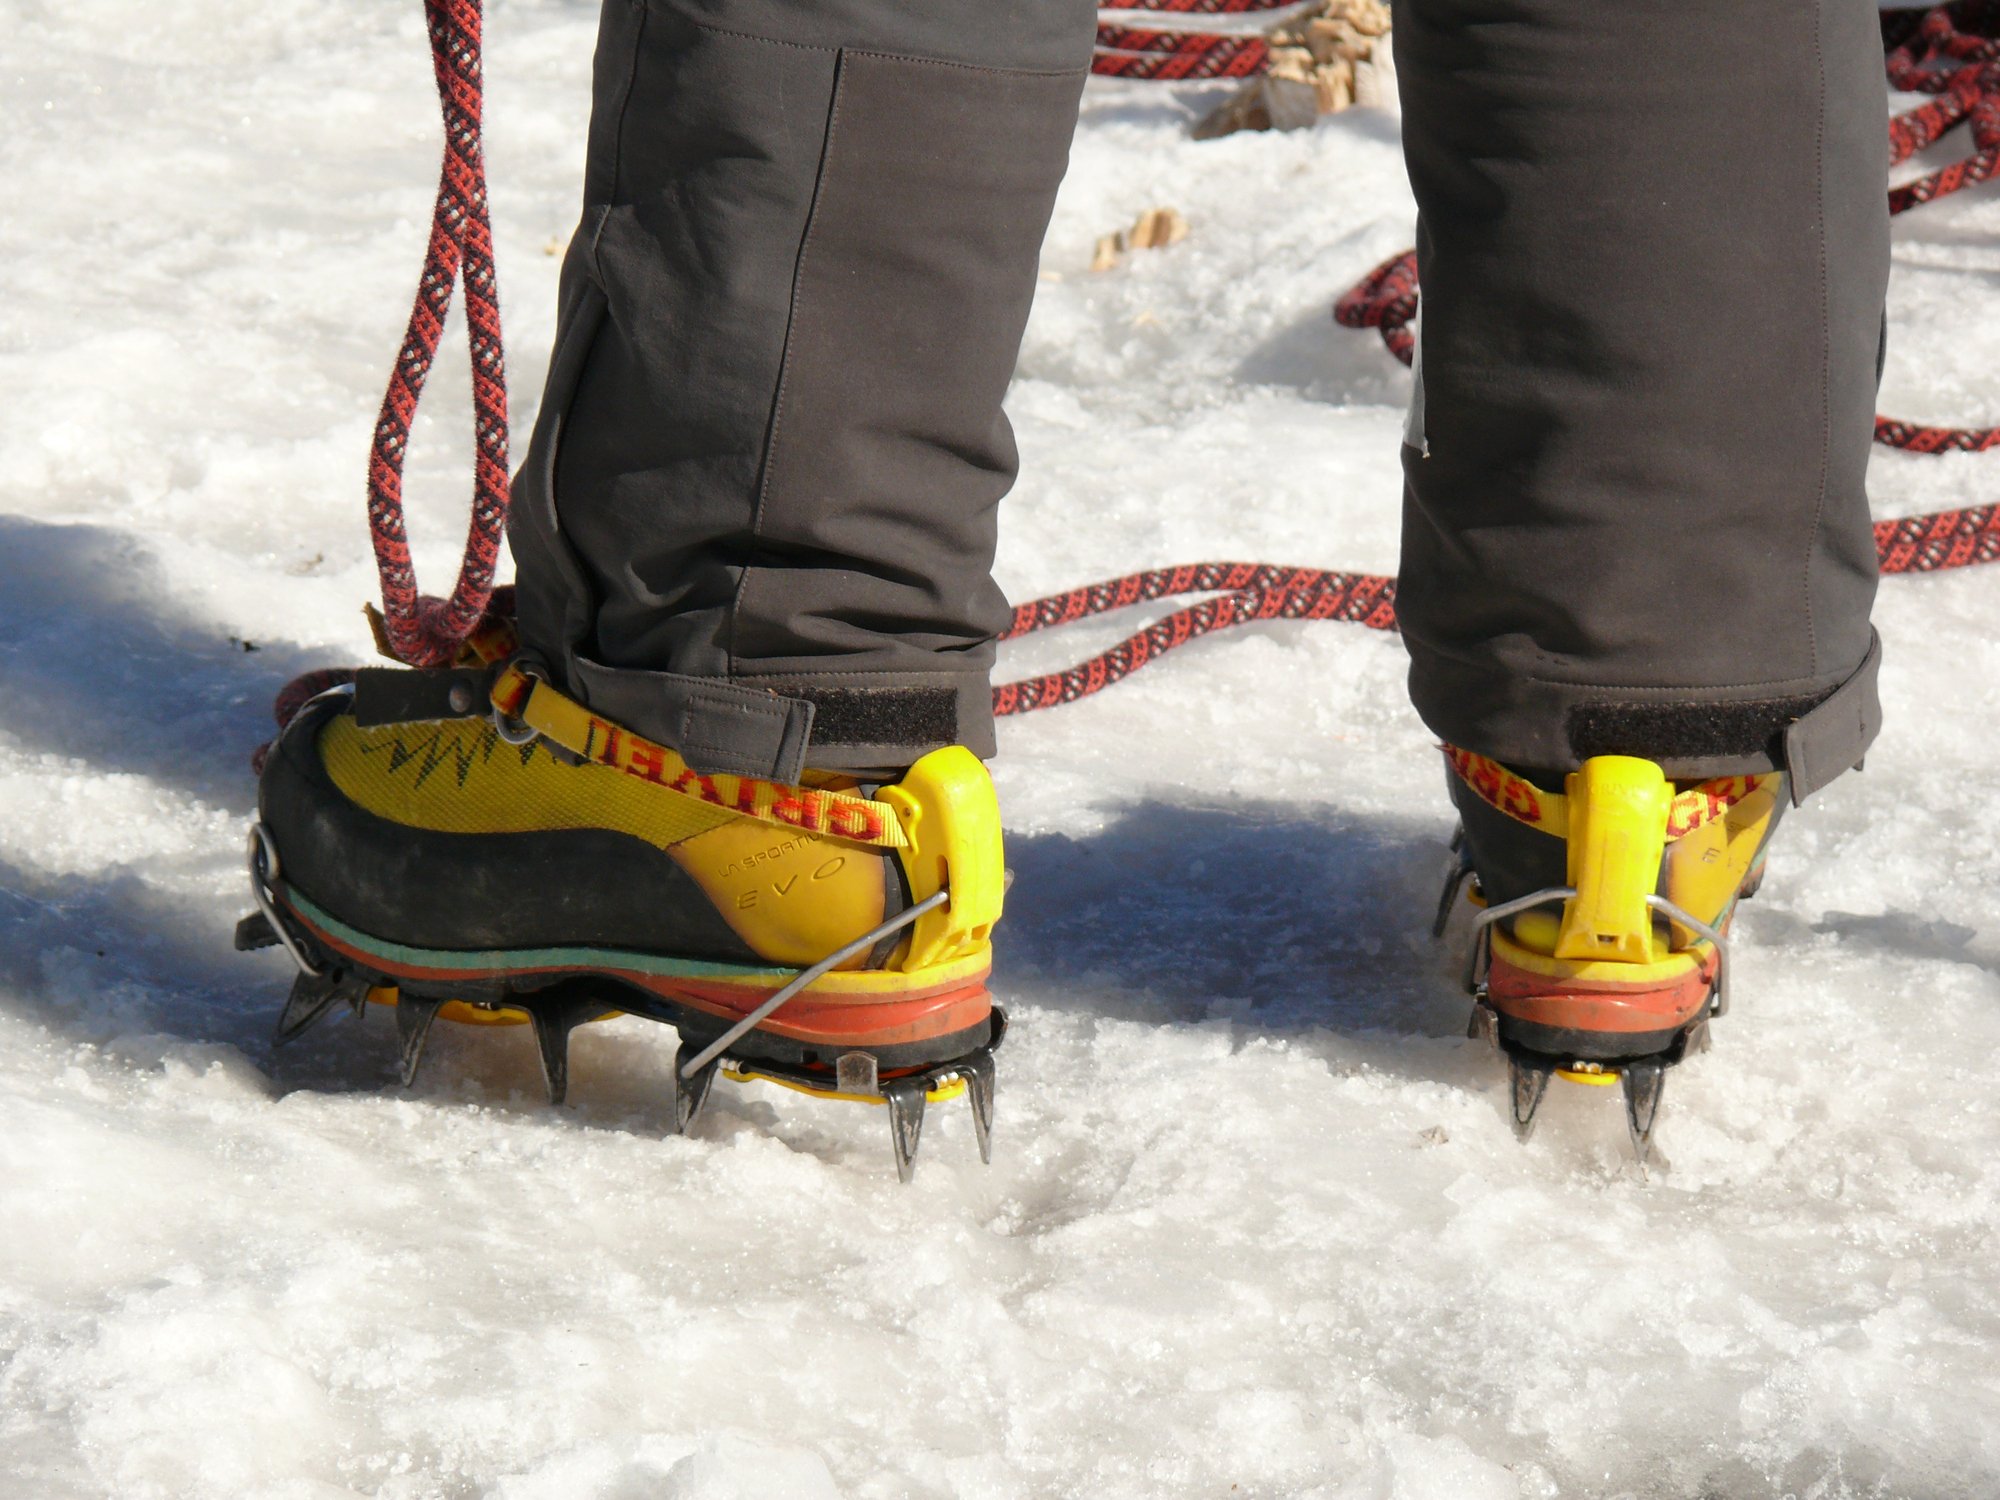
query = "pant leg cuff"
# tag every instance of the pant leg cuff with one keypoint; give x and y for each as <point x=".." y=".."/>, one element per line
<point x="1811" y="729"/>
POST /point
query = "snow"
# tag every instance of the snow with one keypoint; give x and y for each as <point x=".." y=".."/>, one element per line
<point x="1256" y="1225"/>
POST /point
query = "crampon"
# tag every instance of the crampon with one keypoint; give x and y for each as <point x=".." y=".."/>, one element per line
<point x="473" y="846"/>
<point x="1599" y="949"/>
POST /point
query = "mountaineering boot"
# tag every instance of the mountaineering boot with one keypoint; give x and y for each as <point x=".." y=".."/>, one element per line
<point x="1599" y="950"/>
<point x="475" y="845"/>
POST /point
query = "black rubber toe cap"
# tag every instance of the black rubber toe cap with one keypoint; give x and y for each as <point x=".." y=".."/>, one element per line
<point x="457" y="891"/>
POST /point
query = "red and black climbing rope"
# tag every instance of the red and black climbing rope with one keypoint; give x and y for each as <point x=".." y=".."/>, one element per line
<point x="1248" y="592"/>
<point x="1177" y="56"/>
<point x="424" y="631"/>
<point x="1251" y="592"/>
<point x="1952" y="52"/>
<point x="1179" y="53"/>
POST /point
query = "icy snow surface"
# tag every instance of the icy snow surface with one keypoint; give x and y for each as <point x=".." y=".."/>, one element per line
<point x="1256" y="1225"/>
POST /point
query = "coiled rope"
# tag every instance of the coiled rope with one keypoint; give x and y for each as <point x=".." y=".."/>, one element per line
<point x="1951" y="52"/>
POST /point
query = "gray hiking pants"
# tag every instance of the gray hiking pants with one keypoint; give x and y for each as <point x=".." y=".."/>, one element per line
<point x="756" y="519"/>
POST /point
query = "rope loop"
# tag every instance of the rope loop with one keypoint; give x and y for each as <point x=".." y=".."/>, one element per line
<point x="422" y="630"/>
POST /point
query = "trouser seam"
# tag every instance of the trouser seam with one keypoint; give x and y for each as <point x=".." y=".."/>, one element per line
<point x="751" y="36"/>
<point x="624" y="110"/>
<point x="945" y="62"/>
<point x="784" y="363"/>
<point x="1825" y="339"/>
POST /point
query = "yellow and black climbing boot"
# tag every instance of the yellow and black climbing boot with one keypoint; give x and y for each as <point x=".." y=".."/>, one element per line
<point x="1603" y="901"/>
<point x="478" y="846"/>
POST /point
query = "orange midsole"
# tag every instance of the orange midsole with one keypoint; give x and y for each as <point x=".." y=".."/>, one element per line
<point x="1600" y="1005"/>
<point x="913" y="1013"/>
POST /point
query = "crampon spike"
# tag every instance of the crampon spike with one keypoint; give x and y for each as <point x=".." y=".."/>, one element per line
<point x="413" y="1027"/>
<point x="1697" y="1039"/>
<point x="691" y="1094"/>
<point x="1527" y="1083"/>
<point x="554" y="1018"/>
<point x="906" y="1123"/>
<point x="978" y="1075"/>
<point x="552" y="1028"/>
<point x="312" y="996"/>
<point x="255" y="931"/>
<point x="1643" y="1082"/>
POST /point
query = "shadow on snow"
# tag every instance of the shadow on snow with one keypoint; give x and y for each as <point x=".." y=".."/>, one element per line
<point x="97" y="663"/>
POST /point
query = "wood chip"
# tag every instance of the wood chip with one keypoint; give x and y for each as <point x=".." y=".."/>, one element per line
<point x="1330" y="57"/>
<point x="1155" y="229"/>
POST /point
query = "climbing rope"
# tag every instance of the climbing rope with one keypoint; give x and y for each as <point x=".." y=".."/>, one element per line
<point x="1952" y="52"/>
<point x="423" y="631"/>
<point x="1183" y="54"/>
<point x="1249" y="592"/>
<point x="1177" y="56"/>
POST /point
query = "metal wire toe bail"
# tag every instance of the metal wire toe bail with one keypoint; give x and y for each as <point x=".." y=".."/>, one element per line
<point x="1479" y="960"/>
<point x="265" y="872"/>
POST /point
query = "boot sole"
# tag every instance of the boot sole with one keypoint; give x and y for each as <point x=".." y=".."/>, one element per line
<point x="904" y="1020"/>
<point x="1596" y="1020"/>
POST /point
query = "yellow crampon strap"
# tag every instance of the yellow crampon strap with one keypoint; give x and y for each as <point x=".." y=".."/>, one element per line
<point x="528" y="700"/>
<point x="1500" y="789"/>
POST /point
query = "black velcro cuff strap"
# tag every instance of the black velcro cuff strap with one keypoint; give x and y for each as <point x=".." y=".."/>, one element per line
<point x="1745" y="728"/>
<point x="883" y="715"/>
